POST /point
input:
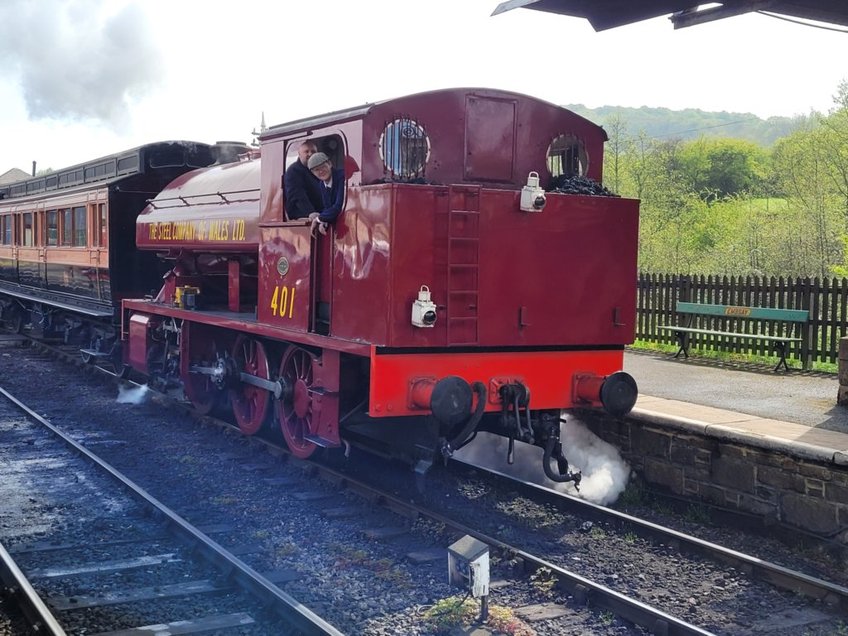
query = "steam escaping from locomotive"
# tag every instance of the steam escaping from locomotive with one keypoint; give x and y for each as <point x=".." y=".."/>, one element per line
<point x="77" y="62"/>
<point x="131" y="395"/>
<point x="605" y="473"/>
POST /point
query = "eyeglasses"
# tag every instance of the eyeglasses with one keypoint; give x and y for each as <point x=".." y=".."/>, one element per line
<point x="321" y="167"/>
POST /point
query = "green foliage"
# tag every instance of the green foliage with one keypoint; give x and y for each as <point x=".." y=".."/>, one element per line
<point x="597" y="533"/>
<point x="698" y="514"/>
<point x="730" y="206"/>
<point x="452" y="613"/>
<point x="634" y="493"/>
<point x="543" y="581"/>
<point x="724" y="357"/>
<point x="691" y="123"/>
<point x="503" y="621"/>
<point x="719" y="168"/>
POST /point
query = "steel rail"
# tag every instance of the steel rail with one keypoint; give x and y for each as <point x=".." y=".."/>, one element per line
<point x="32" y="607"/>
<point x="784" y="578"/>
<point x="583" y="589"/>
<point x="833" y="594"/>
<point x="286" y="606"/>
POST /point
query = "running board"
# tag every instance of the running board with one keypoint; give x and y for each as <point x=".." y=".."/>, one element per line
<point x="95" y="354"/>
<point x="320" y="441"/>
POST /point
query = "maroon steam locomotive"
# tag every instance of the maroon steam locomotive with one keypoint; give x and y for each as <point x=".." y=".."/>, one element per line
<point x="454" y="294"/>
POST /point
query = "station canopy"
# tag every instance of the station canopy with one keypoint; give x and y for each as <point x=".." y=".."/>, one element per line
<point x="607" y="14"/>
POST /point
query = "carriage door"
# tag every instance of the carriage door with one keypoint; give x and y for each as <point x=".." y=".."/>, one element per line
<point x="93" y="249"/>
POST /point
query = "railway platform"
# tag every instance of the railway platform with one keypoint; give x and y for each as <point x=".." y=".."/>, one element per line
<point x="771" y="444"/>
<point x="794" y="411"/>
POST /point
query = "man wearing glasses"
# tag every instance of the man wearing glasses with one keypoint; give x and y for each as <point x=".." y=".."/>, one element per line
<point x="332" y="187"/>
<point x="303" y="196"/>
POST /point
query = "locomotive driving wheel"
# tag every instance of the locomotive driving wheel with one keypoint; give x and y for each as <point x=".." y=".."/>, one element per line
<point x="201" y="392"/>
<point x="201" y="388"/>
<point x="250" y="403"/>
<point x="294" y="408"/>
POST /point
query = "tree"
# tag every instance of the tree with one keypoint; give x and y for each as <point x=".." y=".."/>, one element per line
<point x="717" y="168"/>
<point x="832" y="136"/>
<point x="614" y="152"/>
<point x="801" y="162"/>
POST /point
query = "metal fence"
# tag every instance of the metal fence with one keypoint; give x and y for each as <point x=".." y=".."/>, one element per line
<point x="825" y="300"/>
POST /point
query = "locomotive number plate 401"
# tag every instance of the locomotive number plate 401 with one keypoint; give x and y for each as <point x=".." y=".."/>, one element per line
<point x="282" y="301"/>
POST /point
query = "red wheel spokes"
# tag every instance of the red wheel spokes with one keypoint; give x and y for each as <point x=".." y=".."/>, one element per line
<point x="250" y="403"/>
<point x="295" y="410"/>
<point x="201" y="392"/>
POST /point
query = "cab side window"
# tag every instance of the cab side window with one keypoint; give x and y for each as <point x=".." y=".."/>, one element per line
<point x="299" y="185"/>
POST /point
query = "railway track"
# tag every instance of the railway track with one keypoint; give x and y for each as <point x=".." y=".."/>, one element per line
<point x="92" y="553"/>
<point x="604" y="597"/>
<point x="540" y="563"/>
<point x="831" y="594"/>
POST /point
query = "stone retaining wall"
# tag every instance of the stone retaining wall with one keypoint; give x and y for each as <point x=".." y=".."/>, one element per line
<point x="793" y="484"/>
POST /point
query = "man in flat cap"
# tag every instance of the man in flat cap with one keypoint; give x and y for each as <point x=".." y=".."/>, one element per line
<point x="301" y="188"/>
<point x="332" y="187"/>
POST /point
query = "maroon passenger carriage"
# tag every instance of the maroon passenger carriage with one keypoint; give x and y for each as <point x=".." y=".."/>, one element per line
<point x="67" y="252"/>
<point x="453" y="294"/>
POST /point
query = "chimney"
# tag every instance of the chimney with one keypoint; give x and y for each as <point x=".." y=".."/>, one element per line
<point x="33" y="168"/>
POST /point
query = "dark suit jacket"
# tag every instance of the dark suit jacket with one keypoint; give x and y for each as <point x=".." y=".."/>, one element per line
<point x="302" y="192"/>
<point x="332" y="198"/>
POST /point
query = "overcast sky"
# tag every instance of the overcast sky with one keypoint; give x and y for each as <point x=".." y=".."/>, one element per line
<point x="85" y="78"/>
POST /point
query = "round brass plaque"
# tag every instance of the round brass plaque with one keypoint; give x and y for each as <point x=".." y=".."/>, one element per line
<point x="283" y="266"/>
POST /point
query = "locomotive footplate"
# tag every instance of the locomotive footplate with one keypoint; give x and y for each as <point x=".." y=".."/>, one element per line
<point x="91" y="353"/>
<point x="409" y="441"/>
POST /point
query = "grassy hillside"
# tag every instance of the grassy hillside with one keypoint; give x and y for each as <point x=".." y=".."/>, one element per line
<point x="693" y="123"/>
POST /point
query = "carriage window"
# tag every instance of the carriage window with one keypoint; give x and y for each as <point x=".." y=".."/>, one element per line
<point x="28" y="229"/>
<point x="73" y="226"/>
<point x="52" y="227"/>
<point x="167" y="158"/>
<point x="100" y="234"/>
<point x="79" y="227"/>
<point x="67" y="226"/>
<point x="404" y="148"/>
<point x="126" y="164"/>
<point x="6" y="229"/>
<point x="567" y="156"/>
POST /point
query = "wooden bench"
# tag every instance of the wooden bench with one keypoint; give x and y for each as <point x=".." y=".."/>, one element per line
<point x="791" y="317"/>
